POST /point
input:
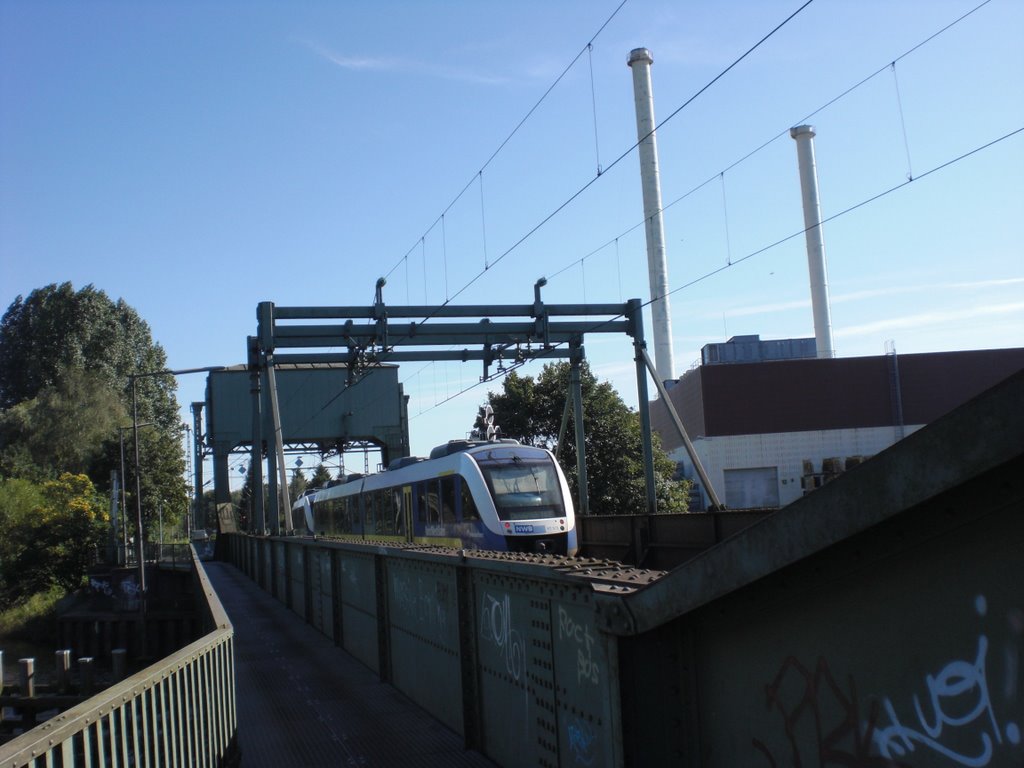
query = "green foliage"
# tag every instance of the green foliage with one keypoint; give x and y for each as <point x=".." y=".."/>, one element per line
<point x="246" y="501"/>
<point x="531" y="411"/>
<point x="52" y="532"/>
<point x="19" y="498"/>
<point x="297" y="485"/>
<point x="27" y="628"/>
<point x="63" y="428"/>
<point x="67" y="361"/>
<point x="162" y="466"/>
<point x="320" y="478"/>
<point x="56" y="329"/>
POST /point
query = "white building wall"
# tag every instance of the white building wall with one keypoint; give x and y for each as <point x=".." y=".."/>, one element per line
<point x="786" y="451"/>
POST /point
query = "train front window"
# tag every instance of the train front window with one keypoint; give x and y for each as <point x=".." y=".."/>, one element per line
<point x="523" y="489"/>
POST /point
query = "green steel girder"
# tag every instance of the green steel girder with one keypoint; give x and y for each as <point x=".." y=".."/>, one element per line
<point x="439" y="334"/>
<point x="370" y="338"/>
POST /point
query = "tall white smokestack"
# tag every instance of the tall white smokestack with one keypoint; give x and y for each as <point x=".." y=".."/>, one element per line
<point x="657" y="269"/>
<point x="804" y="136"/>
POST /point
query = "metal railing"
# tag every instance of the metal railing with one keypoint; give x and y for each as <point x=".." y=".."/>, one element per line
<point x="179" y="711"/>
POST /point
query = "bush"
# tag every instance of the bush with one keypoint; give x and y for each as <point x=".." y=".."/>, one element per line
<point x="51" y="531"/>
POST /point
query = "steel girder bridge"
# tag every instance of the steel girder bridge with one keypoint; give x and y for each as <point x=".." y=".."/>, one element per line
<point x="499" y="336"/>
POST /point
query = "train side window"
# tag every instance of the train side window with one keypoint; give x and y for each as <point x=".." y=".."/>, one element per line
<point x="386" y="511"/>
<point x="356" y="513"/>
<point x="323" y="514"/>
<point x="398" y="511"/>
<point x="428" y="502"/>
<point x="448" y="499"/>
<point x="346" y="515"/>
<point x="369" y="518"/>
<point x="338" y="522"/>
<point x="380" y="515"/>
<point x="319" y="523"/>
<point x="469" y="510"/>
<point x="420" y="491"/>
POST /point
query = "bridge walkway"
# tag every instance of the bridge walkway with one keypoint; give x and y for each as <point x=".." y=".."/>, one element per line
<point x="304" y="702"/>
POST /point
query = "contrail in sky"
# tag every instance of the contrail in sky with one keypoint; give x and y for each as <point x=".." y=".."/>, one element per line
<point x="928" y="318"/>
<point x="403" y="66"/>
<point x="841" y="298"/>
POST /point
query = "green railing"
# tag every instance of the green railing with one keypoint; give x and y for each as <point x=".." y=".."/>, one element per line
<point x="179" y="711"/>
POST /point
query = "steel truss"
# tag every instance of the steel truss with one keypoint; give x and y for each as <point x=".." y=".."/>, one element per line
<point x="499" y="336"/>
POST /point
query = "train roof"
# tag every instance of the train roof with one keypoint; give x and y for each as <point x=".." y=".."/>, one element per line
<point x="458" y="446"/>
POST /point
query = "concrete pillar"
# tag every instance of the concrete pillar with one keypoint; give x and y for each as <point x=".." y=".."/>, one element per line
<point x="62" y="665"/>
<point x="28" y="678"/>
<point x="119" y="662"/>
<point x="87" y="676"/>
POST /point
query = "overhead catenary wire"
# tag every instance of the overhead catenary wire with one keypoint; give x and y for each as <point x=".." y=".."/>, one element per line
<point x="708" y="275"/>
<point x="783" y="133"/>
<point x="633" y="147"/>
<point x="903" y="121"/>
<point x="588" y="184"/>
<point x="520" y="124"/>
<point x="622" y="156"/>
<point x="593" y="103"/>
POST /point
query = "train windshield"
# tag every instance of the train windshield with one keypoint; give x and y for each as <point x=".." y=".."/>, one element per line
<point x="523" y="488"/>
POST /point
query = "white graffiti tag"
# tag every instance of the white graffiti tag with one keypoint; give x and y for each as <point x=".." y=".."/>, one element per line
<point x="958" y="696"/>
<point x="587" y="668"/>
<point x="428" y="609"/>
<point x="496" y="628"/>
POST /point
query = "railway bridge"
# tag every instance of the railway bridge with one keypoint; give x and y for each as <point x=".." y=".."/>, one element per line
<point x="877" y="621"/>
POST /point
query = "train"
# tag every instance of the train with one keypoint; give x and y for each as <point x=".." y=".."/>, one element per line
<point x="493" y="495"/>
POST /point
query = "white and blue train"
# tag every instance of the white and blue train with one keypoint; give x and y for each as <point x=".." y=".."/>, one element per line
<point x="495" y="495"/>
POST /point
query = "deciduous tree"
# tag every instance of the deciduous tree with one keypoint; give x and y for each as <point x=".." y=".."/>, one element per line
<point x="56" y="329"/>
<point x="52" y="533"/>
<point x="66" y="364"/>
<point x="530" y="410"/>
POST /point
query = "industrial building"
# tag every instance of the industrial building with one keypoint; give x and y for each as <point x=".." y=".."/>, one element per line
<point x="771" y="422"/>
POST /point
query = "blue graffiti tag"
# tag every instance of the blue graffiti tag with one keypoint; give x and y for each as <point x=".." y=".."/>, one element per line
<point x="581" y="742"/>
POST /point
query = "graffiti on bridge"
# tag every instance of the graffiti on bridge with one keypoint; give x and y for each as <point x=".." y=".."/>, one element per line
<point x="428" y="608"/>
<point x="582" y="741"/>
<point x="496" y="629"/>
<point x="587" y="668"/>
<point x="951" y="717"/>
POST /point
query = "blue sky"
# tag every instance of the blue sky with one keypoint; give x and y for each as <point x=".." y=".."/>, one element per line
<point x="198" y="158"/>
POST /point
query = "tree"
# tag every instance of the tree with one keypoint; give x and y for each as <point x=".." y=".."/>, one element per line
<point x="246" y="501"/>
<point x="297" y="485"/>
<point x="321" y="477"/>
<point x="246" y="507"/>
<point x="19" y="498"/>
<point x="66" y="364"/>
<point x="56" y="329"/>
<point x="530" y="410"/>
<point x="63" y="428"/>
<point x="52" y="532"/>
<point x="161" y="478"/>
